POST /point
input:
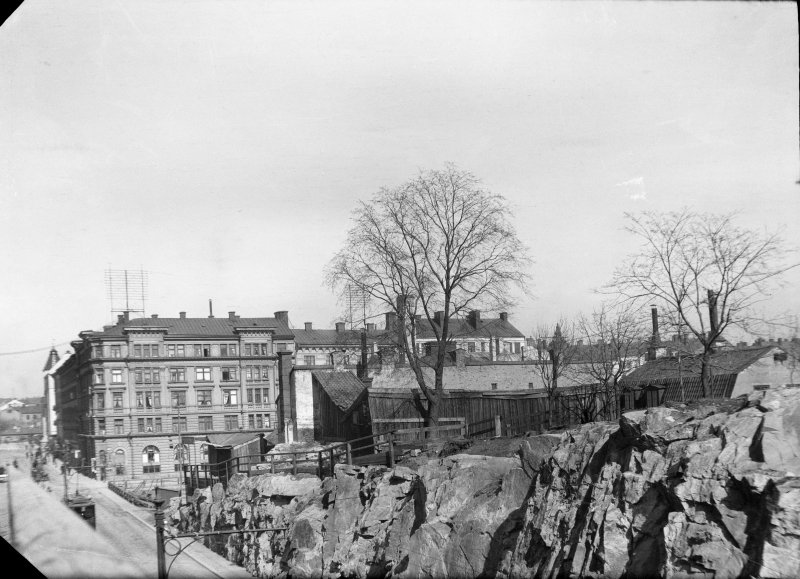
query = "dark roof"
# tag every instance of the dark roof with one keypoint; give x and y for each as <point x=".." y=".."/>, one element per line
<point x="672" y="375"/>
<point x="463" y="329"/>
<point x="333" y="338"/>
<point x="52" y="359"/>
<point x="343" y="388"/>
<point x="32" y="409"/>
<point x="198" y="326"/>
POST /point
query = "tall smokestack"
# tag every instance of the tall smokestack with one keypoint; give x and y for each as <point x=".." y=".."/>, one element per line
<point x="712" y="312"/>
<point x="654" y="316"/>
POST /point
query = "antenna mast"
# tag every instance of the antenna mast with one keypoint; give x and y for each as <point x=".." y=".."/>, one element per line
<point x="127" y="290"/>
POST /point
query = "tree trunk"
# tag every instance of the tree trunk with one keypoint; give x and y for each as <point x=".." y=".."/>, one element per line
<point x="705" y="375"/>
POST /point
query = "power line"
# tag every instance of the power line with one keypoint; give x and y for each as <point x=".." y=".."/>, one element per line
<point x="33" y="350"/>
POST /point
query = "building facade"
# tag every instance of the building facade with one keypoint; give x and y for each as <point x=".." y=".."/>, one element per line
<point x="140" y="397"/>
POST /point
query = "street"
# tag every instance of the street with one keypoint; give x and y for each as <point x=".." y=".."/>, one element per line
<point x="127" y="527"/>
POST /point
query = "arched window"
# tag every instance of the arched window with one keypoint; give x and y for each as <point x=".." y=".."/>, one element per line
<point x="119" y="461"/>
<point x="151" y="461"/>
<point x="181" y="456"/>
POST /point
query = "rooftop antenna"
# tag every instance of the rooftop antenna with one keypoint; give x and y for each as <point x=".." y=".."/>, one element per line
<point x="357" y="299"/>
<point x="127" y="290"/>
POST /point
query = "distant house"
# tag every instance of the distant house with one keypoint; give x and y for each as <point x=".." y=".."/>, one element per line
<point x="320" y="347"/>
<point x="341" y="411"/>
<point x="494" y="339"/>
<point x="734" y="372"/>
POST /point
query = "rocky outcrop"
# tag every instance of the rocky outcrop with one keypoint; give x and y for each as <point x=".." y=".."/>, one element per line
<point x="704" y="490"/>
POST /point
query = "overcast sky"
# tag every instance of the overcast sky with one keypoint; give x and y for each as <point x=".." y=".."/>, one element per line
<point x="221" y="145"/>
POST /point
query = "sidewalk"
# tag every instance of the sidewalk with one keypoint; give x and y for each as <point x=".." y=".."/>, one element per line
<point x="216" y="564"/>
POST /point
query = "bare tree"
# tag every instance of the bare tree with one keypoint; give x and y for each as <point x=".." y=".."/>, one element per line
<point x="705" y="272"/>
<point x="614" y="345"/>
<point x="554" y="352"/>
<point x="436" y="243"/>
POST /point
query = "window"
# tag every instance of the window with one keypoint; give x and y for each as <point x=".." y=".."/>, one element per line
<point x="258" y="395"/>
<point x="116" y="376"/>
<point x="202" y="350"/>
<point x="204" y="452"/>
<point x="116" y="351"/>
<point x="101" y="425"/>
<point x="149" y="423"/>
<point x="148" y="399"/>
<point x="150" y="460"/>
<point x="98" y="351"/>
<point x="530" y="385"/>
<point x="470" y="346"/>
<point x="227" y="350"/>
<point x="231" y="422"/>
<point x="205" y="422"/>
<point x="100" y="401"/>
<point x="99" y="377"/>
<point x="178" y="398"/>
<point x="157" y="426"/>
<point x="256" y="421"/>
<point x="177" y="374"/>
<point x="181" y="456"/>
<point x="178" y="424"/>
<point x="202" y="374"/>
<point x="147" y="376"/>
<point x="176" y="351"/>
<point x="137" y="351"/>
<point x="230" y="397"/>
<point x="117" y="400"/>
<point x="309" y="360"/>
<point x="494" y="385"/>
<point x="119" y="426"/>
<point x="140" y="425"/>
<point x="228" y="374"/>
<point x="204" y="397"/>
<point x="257" y="373"/>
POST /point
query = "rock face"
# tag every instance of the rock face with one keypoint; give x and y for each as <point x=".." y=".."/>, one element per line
<point x="703" y="490"/>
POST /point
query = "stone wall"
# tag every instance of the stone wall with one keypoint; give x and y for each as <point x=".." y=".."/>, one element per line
<point x="708" y="489"/>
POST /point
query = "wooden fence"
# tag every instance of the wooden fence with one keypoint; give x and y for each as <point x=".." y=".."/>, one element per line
<point x="520" y="410"/>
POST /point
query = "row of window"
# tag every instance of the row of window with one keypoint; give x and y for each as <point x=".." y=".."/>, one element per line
<point x="152" y="398"/>
<point x="179" y="424"/>
<point x="177" y="375"/>
<point x="507" y="347"/>
<point x="189" y="350"/>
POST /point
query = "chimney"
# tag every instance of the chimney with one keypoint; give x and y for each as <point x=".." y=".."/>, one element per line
<point x="580" y="343"/>
<point x="154" y="316"/>
<point x="654" y="315"/>
<point x="120" y="319"/>
<point x="308" y="326"/>
<point x="339" y="327"/>
<point x="370" y="327"/>
<point x="504" y="316"/>
<point x="282" y="316"/>
<point x="210" y="309"/>
<point x="231" y="315"/>
<point x="438" y="318"/>
<point x="182" y="315"/>
<point x="460" y="358"/>
<point x="712" y="312"/>
<point x="126" y="316"/>
<point x="475" y="318"/>
<point x="391" y="320"/>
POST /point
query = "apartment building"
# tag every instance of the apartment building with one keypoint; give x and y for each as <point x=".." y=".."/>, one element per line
<point x="143" y="395"/>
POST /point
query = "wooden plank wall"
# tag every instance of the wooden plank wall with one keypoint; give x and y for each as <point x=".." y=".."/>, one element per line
<point x="519" y="410"/>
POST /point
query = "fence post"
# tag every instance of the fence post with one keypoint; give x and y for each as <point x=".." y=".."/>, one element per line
<point x="390" y="439"/>
<point x="162" y="566"/>
<point x="272" y="463"/>
<point x="498" y="425"/>
<point x="319" y="464"/>
<point x="331" y="462"/>
<point x="294" y="463"/>
<point x="349" y="453"/>
<point x="463" y="422"/>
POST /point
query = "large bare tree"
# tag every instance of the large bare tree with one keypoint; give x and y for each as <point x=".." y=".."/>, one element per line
<point x="615" y="340"/>
<point x="439" y="242"/>
<point x="705" y="272"/>
<point x="554" y="352"/>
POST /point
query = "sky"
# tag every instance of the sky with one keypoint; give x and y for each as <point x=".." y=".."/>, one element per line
<point x="222" y="145"/>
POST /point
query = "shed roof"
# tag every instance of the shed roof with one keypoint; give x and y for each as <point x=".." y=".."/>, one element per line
<point x="231" y="440"/>
<point x="343" y="388"/>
